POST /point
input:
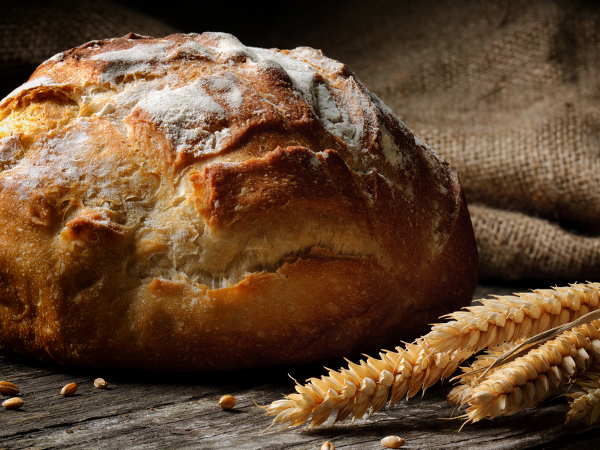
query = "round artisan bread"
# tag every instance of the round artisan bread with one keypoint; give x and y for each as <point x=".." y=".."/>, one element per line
<point x="192" y="204"/>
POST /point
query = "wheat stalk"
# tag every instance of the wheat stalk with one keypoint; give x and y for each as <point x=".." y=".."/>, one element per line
<point x="584" y="404"/>
<point x="368" y="385"/>
<point x="528" y="380"/>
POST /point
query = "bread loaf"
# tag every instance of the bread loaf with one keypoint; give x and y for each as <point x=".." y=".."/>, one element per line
<point x="193" y="204"/>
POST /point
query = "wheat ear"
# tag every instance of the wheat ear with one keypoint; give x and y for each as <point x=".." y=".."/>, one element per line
<point x="528" y="380"/>
<point x="584" y="404"/>
<point x="508" y="318"/>
<point x="470" y="377"/>
<point x="367" y="385"/>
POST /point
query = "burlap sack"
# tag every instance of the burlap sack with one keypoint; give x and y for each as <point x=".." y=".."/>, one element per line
<point x="507" y="91"/>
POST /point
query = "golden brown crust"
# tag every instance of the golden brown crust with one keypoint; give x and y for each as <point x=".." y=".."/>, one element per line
<point x="192" y="204"/>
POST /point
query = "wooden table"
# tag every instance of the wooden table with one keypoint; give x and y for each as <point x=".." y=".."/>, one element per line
<point x="181" y="411"/>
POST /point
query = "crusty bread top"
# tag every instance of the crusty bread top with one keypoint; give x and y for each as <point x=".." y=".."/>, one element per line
<point x="200" y="161"/>
<point x="207" y="102"/>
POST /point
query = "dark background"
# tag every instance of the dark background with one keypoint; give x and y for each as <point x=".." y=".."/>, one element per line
<point x="32" y="31"/>
<point x="259" y="24"/>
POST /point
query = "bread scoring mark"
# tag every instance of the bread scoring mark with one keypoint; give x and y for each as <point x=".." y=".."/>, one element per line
<point x="189" y="117"/>
<point x="269" y="82"/>
<point x="142" y="58"/>
<point x="370" y="193"/>
<point x="279" y="194"/>
<point x="227" y="48"/>
<point x="206" y="117"/>
<point x="31" y="84"/>
<point x="293" y="176"/>
<point x="276" y="194"/>
<point x="299" y="72"/>
<point x="343" y="119"/>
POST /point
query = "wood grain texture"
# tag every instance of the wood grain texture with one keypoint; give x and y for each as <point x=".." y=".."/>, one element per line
<point x="164" y="411"/>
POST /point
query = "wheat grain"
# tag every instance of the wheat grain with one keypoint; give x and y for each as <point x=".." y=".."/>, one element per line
<point x="13" y="403"/>
<point x="227" y="402"/>
<point x="584" y="404"/>
<point x="392" y="442"/>
<point x="100" y="383"/>
<point x="8" y="388"/>
<point x="405" y="372"/>
<point x="526" y="381"/>
<point x="69" y="390"/>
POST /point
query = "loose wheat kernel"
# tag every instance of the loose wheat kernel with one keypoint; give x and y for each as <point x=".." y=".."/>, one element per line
<point x="8" y="388"/>
<point x="13" y="403"/>
<point x="100" y="383"/>
<point x="392" y="442"/>
<point x="327" y="446"/>
<point x="69" y="389"/>
<point x="227" y="402"/>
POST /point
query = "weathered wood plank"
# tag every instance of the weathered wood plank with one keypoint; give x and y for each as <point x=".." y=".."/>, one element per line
<point x="181" y="411"/>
